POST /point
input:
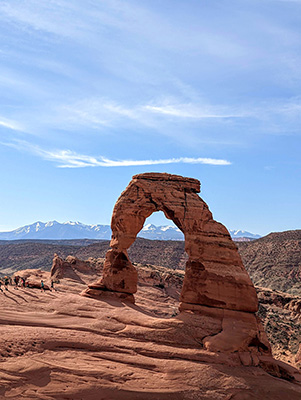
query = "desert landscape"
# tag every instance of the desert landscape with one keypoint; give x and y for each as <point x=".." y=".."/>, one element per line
<point x="147" y="331"/>
<point x="61" y="345"/>
<point x="150" y="241"/>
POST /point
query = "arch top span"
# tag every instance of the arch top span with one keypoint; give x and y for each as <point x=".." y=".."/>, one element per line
<point x="214" y="276"/>
<point x="148" y="193"/>
<point x="186" y="183"/>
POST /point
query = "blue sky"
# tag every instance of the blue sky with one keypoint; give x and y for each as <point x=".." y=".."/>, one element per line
<point x="94" y="92"/>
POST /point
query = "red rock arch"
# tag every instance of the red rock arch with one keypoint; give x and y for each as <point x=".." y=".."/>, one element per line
<point x="214" y="276"/>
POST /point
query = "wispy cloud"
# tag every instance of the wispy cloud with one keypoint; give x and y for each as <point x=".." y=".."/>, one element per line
<point x="97" y="112"/>
<point x="9" y="124"/>
<point x="71" y="159"/>
<point x="192" y="111"/>
<point x="169" y="116"/>
<point x="205" y="81"/>
<point x="71" y="20"/>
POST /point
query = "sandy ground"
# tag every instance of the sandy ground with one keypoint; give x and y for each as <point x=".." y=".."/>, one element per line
<point x="60" y="345"/>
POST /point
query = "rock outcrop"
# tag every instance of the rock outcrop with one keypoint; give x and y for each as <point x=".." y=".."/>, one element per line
<point x="216" y="283"/>
<point x="215" y="275"/>
<point x="69" y="268"/>
<point x="33" y="278"/>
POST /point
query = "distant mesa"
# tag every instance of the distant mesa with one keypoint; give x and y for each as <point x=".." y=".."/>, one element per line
<point x="69" y="230"/>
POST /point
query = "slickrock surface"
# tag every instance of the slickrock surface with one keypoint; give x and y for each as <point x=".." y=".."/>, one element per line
<point x="60" y="345"/>
<point x="280" y="312"/>
<point x="215" y="275"/>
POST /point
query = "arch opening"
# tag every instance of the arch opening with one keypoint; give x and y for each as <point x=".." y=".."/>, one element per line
<point x="160" y="265"/>
<point x="158" y="227"/>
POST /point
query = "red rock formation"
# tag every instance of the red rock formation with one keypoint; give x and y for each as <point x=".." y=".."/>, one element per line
<point x="68" y="268"/>
<point x="215" y="275"/>
<point x="33" y="278"/>
<point x="216" y="283"/>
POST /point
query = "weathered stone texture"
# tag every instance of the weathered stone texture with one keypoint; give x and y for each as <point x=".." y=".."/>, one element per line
<point x="215" y="275"/>
<point x="68" y="268"/>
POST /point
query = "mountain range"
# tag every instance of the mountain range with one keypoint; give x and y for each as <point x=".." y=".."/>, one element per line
<point x="54" y="230"/>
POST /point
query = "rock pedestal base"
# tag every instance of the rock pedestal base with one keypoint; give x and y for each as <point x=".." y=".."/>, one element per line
<point x="239" y="331"/>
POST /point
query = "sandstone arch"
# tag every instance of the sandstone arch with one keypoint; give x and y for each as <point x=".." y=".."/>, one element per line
<point x="215" y="275"/>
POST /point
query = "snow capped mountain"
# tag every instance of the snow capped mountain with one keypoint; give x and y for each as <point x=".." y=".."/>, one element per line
<point x="243" y="234"/>
<point x="149" y="227"/>
<point x="153" y="232"/>
<point x="54" y="230"/>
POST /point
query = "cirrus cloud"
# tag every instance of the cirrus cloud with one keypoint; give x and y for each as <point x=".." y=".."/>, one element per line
<point x="72" y="159"/>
